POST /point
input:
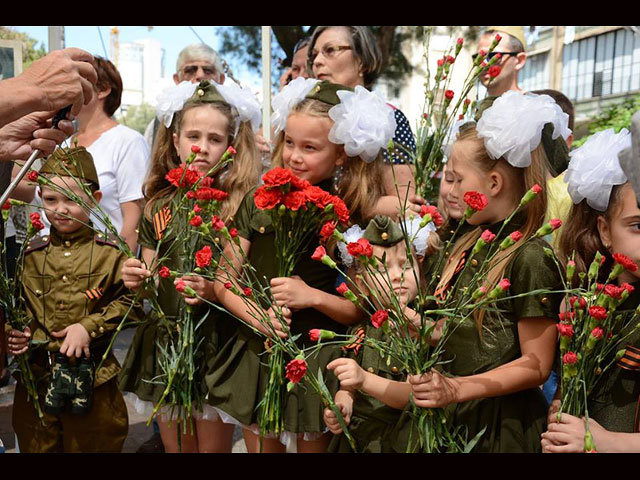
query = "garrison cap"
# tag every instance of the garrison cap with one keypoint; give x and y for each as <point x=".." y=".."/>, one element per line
<point x="206" y="93"/>
<point x="72" y="162"/>
<point x="383" y="232"/>
<point x="515" y="32"/>
<point x="327" y="92"/>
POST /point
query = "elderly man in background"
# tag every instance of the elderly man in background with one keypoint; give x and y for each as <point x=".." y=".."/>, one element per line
<point x="514" y="57"/>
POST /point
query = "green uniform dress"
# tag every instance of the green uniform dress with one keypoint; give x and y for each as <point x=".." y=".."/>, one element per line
<point x="513" y="422"/>
<point x="615" y="402"/>
<point x="237" y="382"/>
<point x="142" y="364"/>
<point x="70" y="279"/>
<point x="373" y="422"/>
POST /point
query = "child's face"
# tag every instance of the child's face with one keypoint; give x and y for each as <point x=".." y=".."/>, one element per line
<point x="206" y="128"/>
<point x="446" y="186"/>
<point x="622" y="232"/>
<point x="401" y="273"/>
<point x="468" y="178"/>
<point x="308" y="153"/>
<point x="60" y="210"/>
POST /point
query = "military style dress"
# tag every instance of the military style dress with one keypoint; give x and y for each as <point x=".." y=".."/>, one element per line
<point x="615" y="402"/>
<point x="373" y="422"/>
<point x="239" y="377"/>
<point x="141" y="370"/>
<point x="513" y="422"/>
<point x="70" y="279"/>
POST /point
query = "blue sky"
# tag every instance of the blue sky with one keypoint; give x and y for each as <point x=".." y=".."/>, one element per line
<point x="173" y="40"/>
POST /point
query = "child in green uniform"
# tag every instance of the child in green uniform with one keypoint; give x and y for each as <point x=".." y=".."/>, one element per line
<point x="75" y="296"/>
<point x="497" y="362"/>
<point x="373" y="393"/>
<point x="316" y="144"/>
<point x="212" y="118"/>
<point x="605" y="218"/>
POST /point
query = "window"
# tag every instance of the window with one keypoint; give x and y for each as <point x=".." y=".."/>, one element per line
<point x="535" y="74"/>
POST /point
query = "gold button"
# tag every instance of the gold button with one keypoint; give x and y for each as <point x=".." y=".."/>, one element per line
<point x="67" y="254"/>
<point x="38" y="292"/>
<point x="93" y="335"/>
<point x="452" y="232"/>
<point x="394" y="370"/>
<point x="474" y="263"/>
<point x="101" y="329"/>
<point x="385" y="236"/>
<point x="545" y="301"/>
<point x="65" y="279"/>
<point x="67" y="244"/>
<point x="200" y="92"/>
<point x="45" y="239"/>
<point x="370" y="370"/>
<point x="262" y="230"/>
<point x="61" y="306"/>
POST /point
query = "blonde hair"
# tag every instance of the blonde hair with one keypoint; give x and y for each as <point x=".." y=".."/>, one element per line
<point x="359" y="184"/>
<point x="524" y="179"/>
<point x="237" y="179"/>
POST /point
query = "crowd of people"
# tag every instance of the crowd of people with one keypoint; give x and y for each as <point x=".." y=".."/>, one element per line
<point x="501" y="379"/>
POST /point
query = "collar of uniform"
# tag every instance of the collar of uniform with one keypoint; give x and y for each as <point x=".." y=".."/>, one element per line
<point x="83" y="233"/>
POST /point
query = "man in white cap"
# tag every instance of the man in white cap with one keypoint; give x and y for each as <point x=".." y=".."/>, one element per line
<point x="514" y="57"/>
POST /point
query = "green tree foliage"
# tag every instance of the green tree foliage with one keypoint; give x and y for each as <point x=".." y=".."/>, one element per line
<point x="138" y="117"/>
<point x="616" y="117"/>
<point x="30" y="52"/>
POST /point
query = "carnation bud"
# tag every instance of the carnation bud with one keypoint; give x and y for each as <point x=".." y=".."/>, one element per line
<point x="531" y="195"/>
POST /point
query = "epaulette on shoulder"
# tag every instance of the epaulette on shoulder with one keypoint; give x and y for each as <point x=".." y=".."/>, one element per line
<point x="37" y="243"/>
<point x="106" y="239"/>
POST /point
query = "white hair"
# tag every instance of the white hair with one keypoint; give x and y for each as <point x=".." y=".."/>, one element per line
<point x="199" y="52"/>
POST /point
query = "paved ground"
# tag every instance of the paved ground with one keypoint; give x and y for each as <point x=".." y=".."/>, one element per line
<point x="138" y="430"/>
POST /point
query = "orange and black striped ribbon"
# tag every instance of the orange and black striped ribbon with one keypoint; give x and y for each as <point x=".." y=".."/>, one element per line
<point x="631" y="361"/>
<point x="356" y="346"/>
<point x="441" y="293"/>
<point x="94" y="293"/>
<point x="160" y="222"/>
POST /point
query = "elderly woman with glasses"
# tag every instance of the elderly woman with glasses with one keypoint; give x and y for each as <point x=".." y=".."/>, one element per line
<point x="350" y="56"/>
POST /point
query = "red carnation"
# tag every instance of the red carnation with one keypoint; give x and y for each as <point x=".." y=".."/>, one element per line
<point x="361" y="248"/>
<point x="342" y="289"/>
<point x="295" y="200"/>
<point x="449" y="94"/>
<point x="488" y="236"/>
<point x="327" y="231"/>
<point x="7" y="205"/>
<point x="441" y="62"/>
<point x="36" y="222"/>
<point x="556" y="223"/>
<point x="164" y="272"/>
<point x="191" y="194"/>
<point x="233" y="232"/>
<point x="597" y="333"/>
<point x="629" y="288"/>
<point x="319" y="254"/>
<point x="181" y="286"/>
<point x="570" y="316"/>
<point x="228" y="285"/>
<point x="460" y="41"/>
<point x="232" y="151"/>
<point x="178" y="177"/>
<point x="582" y="303"/>
<point x="495" y="71"/>
<point x="197" y="209"/>
<point x="498" y="38"/>
<point x="476" y="201"/>
<point x="505" y="284"/>
<point x="247" y="291"/>
<point x="217" y="223"/>
<point x="277" y="177"/>
<point x="599" y="313"/>
<point x="206" y="182"/>
<point x="314" y="335"/>
<point x="613" y="291"/>
<point x="436" y="217"/>
<point x="516" y="236"/>
<point x="195" y="149"/>
<point x="451" y="60"/>
<point x="203" y="257"/>
<point x="318" y="196"/>
<point x="208" y="194"/>
<point x="625" y="262"/>
<point x="32" y="176"/>
<point x="267" y="199"/>
<point x="537" y="189"/>
<point x="565" y="330"/>
<point x="296" y="370"/>
<point x="570" y="358"/>
<point x="340" y="210"/>
<point x="196" y="221"/>
<point x="379" y="318"/>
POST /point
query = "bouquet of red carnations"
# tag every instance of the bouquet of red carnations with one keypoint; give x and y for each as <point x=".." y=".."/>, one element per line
<point x="592" y="333"/>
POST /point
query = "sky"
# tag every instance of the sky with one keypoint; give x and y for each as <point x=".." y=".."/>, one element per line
<point x="173" y="40"/>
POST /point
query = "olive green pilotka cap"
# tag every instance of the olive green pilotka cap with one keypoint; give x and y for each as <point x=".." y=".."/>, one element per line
<point x="206" y="93"/>
<point x="327" y="92"/>
<point x="382" y="231"/>
<point x="76" y="162"/>
<point x="557" y="151"/>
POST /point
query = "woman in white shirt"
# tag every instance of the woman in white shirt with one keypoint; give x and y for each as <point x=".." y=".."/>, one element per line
<point x="121" y="155"/>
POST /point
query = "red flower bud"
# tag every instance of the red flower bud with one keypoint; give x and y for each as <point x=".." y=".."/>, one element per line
<point x="319" y="254"/>
<point x="597" y="333"/>
<point x="195" y="149"/>
<point x="565" y="330"/>
<point x="233" y="233"/>
<point x="505" y="284"/>
<point x="342" y="289"/>
<point x="314" y="335"/>
<point x="556" y="223"/>
<point x="232" y="151"/>
<point x="488" y="236"/>
<point x="180" y="286"/>
<point x="164" y="272"/>
<point x="196" y="221"/>
<point x="516" y="236"/>
<point x="537" y="189"/>
<point x="228" y="285"/>
<point x="379" y="318"/>
<point x="33" y="176"/>
<point x="495" y="71"/>
<point x="460" y="41"/>
<point x="570" y="358"/>
<point x="247" y="291"/>
<point x="449" y="94"/>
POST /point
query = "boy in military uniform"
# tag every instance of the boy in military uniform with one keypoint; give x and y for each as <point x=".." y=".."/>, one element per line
<point x="75" y="297"/>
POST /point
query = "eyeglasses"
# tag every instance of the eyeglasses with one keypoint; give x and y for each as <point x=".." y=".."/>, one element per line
<point x="191" y="70"/>
<point x="328" y="51"/>
<point x="493" y="54"/>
